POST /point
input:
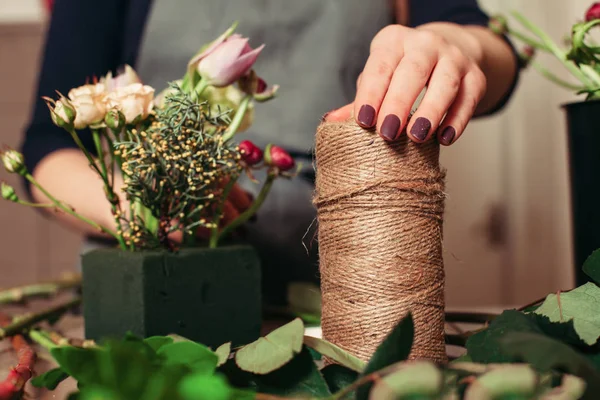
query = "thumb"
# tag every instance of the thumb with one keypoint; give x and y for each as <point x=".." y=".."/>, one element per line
<point x="341" y="114"/>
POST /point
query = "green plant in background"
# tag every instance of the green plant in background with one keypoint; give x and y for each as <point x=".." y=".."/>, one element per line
<point x="579" y="58"/>
<point x="175" y="152"/>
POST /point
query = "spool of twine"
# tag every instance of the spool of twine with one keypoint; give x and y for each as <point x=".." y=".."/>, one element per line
<point x="380" y="211"/>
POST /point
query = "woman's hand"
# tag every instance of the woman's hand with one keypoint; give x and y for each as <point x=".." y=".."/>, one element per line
<point x="402" y="62"/>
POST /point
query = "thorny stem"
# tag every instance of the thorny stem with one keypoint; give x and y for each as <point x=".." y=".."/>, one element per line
<point x="214" y="232"/>
<point x="554" y="49"/>
<point x="238" y="118"/>
<point x="108" y="188"/>
<point x="69" y="210"/>
<point x="245" y="216"/>
<point x="553" y="78"/>
<point x="29" y="320"/>
<point x="42" y="339"/>
<point x="18" y="376"/>
<point x="17" y="294"/>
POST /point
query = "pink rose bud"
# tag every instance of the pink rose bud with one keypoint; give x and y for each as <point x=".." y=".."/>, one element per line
<point x="279" y="158"/>
<point x="593" y="12"/>
<point x="227" y="61"/>
<point x="251" y="154"/>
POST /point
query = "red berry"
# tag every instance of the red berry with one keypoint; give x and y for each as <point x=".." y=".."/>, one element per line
<point x="261" y="86"/>
<point x="280" y="158"/>
<point x="251" y="154"/>
<point x="593" y="12"/>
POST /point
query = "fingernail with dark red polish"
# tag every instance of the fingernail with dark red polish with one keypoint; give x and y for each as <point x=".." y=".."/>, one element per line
<point x="420" y="128"/>
<point x="390" y="127"/>
<point x="447" y="135"/>
<point x="324" y="117"/>
<point x="366" y="116"/>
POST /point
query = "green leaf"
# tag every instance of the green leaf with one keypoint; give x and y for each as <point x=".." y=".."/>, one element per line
<point x="335" y="353"/>
<point x="98" y="393"/>
<point x="223" y="352"/>
<point x="298" y="377"/>
<point x="581" y="305"/>
<point x="563" y="331"/>
<point x="338" y="377"/>
<point x="504" y="381"/>
<point x="272" y="351"/>
<point x="571" y="387"/>
<point x="204" y="387"/>
<point x="304" y="297"/>
<point x="394" y="348"/>
<point x="50" y="379"/>
<point x="591" y="266"/>
<point x="194" y="355"/>
<point x="484" y="346"/>
<point x="81" y="364"/>
<point x="546" y="354"/>
<point x="417" y="379"/>
<point x="156" y="342"/>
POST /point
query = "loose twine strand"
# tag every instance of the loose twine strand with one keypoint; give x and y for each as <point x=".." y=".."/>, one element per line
<point x="380" y="213"/>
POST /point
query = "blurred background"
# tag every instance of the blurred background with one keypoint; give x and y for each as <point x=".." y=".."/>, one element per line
<point x="507" y="231"/>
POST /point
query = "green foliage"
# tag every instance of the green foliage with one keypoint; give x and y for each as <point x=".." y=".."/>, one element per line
<point x="394" y="348"/>
<point x="334" y="353"/>
<point x="223" y="352"/>
<point x="591" y="266"/>
<point x="580" y="305"/>
<point x="304" y="301"/>
<point x="273" y="351"/>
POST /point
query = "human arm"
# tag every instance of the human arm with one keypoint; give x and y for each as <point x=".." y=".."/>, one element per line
<point x="466" y="68"/>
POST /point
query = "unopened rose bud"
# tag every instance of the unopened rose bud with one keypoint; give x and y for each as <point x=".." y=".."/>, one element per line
<point x="62" y="112"/>
<point x="13" y="162"/>
<point x="261" y="85"/>
<point x="251" y="154"/>
<point x="593" y="12"/>
<point x="114" y="119"/>
<point x="8" y="192"/>
<point x="498" y="25"/>
<point x="277" y="157"/>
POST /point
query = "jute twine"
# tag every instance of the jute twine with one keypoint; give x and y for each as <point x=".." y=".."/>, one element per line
<point x="380" y="212"/>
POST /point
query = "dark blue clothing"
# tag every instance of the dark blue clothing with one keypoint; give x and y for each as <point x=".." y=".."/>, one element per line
<point x="88" y="39"/>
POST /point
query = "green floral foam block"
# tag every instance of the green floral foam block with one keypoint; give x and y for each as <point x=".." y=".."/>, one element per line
<point x="211" y="296"/>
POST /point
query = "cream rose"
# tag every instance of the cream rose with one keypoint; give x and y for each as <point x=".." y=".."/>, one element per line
<point x="88" y="101"/>
<point x="135" y="101"/>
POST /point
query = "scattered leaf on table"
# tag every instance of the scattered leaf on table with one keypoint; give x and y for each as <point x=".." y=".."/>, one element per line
<point x="394" y="348"/>
<point x="50" y="379"/>
<point x="591" y="266"/>
<point x="504" y="381"/>
<point x="81" y="364"/>
<point x="546" y="354"/>
<point x="195" y="355"/>
<point x="571" y="388"/>
<point x="412" y="379"/>
<point x="272" y="351"/>
<point x="338" y="377"/>
<point x="581" y="305"/>
<point x="156" y="342"/>
<point x="484" y="346"/>
<point x="335" y="353"/>
<point x="223" y="352"/>
<point x="299" y="377"/>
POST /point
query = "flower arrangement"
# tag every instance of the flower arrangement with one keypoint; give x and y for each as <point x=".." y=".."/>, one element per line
<point x="580" y="58"/>
<point x="174" y="151"/>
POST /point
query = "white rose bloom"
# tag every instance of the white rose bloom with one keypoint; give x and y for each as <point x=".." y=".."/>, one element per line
<point x="135" y="101"/>
<point x="88" y="101"/>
